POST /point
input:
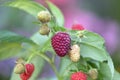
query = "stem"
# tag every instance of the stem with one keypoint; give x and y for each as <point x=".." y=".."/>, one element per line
<point x="51" y="64"/>
<point x="53" y="67"/>
<point x="53" y="58"/>
<point x="76" y="67"/>
<point x="55" y="70"/>
<point x="44" y="57"/>
<point x="29" y="59"/>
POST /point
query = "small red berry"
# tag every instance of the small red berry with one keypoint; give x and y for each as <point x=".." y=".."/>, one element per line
<point x="61" y="43"/>
<point x="24" y="76"/>
<point x="29" y="68"/>
<point x="78" y="76"/>
<point x="77" y="27"/>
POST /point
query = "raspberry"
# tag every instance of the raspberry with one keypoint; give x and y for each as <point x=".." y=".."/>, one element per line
<point x="77" y="27"/>
<point x="93" y="73"/>
<point x="44" y="29"/>
<point x="79" y="76"/>
<point x="20" y="60"/>
<point x="74" y="53"/>
<point x="29" y="68"/>
<point x="61" y="43"/>
<point x="24" y="76"/>
<point x="19" y="68"/>
<point x="44" y="16"/>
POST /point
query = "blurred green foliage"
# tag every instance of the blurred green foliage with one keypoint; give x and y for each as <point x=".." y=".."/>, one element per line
<point x="16" y="20"/>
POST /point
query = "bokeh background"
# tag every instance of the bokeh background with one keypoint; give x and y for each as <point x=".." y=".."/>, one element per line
<point x="100" y="16"/>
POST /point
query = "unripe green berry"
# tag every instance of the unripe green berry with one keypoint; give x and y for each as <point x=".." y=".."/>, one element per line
<point x="74" y="53"/>
<point x="44" y="16"/>
<point x="19" y="68"/>
<point x="44" y="29"/>
<point x="93" y="73"/>
<point x="20" y="60"/>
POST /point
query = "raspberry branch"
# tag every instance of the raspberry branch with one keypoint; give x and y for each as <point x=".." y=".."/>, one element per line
<point x="51" y="62"/>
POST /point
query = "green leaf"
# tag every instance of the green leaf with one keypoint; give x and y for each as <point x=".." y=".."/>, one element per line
<point x="90" y="51"/>
<point x="57" y="28"/>
<point x="92" y="45"/>
<point x="116" y="75"/>
<point x="29" y="6"/>
<point x="64" y="65"/>
<point x="94" y="39"/>
<point x="10" y="44"/>
<point x="10" y="37"/>
<point x="38" y="63"/>
<point x="8" y="50"/>
<point x="105" y="72"/>
<point x="39" y="39"/>
<point x="111" y="65"/>
<point x="56" y="13"/>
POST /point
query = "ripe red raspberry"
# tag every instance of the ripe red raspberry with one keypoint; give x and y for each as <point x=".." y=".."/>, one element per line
<point x="24" y="76"/>
<point x="61" y="43"/>
<point x="78" y="76"/>
<point x="77" y="27"/>
<point x="29" y="68"/>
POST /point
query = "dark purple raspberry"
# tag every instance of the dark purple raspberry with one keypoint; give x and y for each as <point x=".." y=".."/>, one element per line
<point x="61" y="43"/>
